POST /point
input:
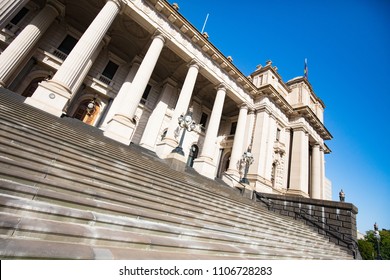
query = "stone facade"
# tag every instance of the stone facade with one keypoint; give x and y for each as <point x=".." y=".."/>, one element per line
<point x="131" y="68"/>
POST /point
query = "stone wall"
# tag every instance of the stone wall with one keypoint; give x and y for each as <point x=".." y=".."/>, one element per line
<point x="336" y="220"/>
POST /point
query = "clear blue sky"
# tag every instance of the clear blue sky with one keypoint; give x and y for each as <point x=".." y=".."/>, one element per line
<point x="347" y="44"/>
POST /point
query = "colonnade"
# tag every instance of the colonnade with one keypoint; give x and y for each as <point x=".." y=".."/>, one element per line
<point x="53" y="95"/>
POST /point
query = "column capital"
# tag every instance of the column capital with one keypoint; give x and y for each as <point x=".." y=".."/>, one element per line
<point x="59" y="7"/>
<point x="222" y="87"/>
<point x="299" y="128"/>
<point x="118" y="3"/>
<point x="243" y="106"/>
<point x="194" y="63"/>
<point x="158" y="34"/>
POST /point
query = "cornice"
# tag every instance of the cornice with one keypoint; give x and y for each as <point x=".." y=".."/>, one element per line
<point x="314" y="121"/>
<point x="276" y="97"/>
<point x="171" y="12"/>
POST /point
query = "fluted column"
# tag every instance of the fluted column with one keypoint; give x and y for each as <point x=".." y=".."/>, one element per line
<point x="122" y="125"/>
<point x="53" y="95"/>
<point x="124" y="91"/>
<point x="8" y="9"/>
<point x="184" y="99"/>
<point x="238" y="144"/>
<point x="250" y="123"/>
<point x="156" y="119"/>
<point x="17" y="51"/>
<point x="316" y="172"/>
<point x="141" y="79"/>
<point x="260" y="143"/>
<point x="322" y="166"/>
<point x="170" y="142"/>
<point x="205" y="164"/>
<point x="299" y="163"/>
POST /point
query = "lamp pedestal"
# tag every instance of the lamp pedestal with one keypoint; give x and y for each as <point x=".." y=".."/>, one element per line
<point x="176" y="161"/>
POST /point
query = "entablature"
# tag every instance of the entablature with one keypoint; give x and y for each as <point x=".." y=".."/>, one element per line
<point x="314" y="121"/>
<point x="201" y="42"/>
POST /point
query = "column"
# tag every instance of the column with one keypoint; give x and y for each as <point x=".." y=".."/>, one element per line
<point x="299" y="163"/>
<point x="122" y="125"/>
<point x="156" y="119"/>
<point x="53" y="95"/>
<point x="250" y="123"/>
<point x="316" y="172"/>
<point x="123" y="91"/>
<point x="205" y="164"/>
<point x="322" y="166"/>
<point x="260" y="144"/>
<point x="17" y="51"/>
<point x="8" y="9"/>
<point x="181" y="107"/>
<point x="238" y="144"/>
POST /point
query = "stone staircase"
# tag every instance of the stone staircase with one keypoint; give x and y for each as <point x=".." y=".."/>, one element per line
<point x="68" y="192"/>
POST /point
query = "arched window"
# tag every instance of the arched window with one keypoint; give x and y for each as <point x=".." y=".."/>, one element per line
<point x="193" y="155"/>
<point x="87" y="111"/>
<point x="28" y="92"/>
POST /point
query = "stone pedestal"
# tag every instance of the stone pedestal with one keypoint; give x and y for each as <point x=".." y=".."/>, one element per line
<point x="176" y="161"/>
<point x="205" y="167"/>
<point x="122" y="129"/>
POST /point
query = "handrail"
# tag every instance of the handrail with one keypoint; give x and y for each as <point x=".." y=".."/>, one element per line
<point x="345" y="238"/>
<point x="262" y="198"/>
<point x="350" y="242"/>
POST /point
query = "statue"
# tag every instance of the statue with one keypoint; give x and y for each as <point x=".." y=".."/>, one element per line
<point x="342" y="195"/>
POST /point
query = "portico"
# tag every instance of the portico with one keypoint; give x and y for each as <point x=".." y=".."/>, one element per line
<point x="141" y="65"/>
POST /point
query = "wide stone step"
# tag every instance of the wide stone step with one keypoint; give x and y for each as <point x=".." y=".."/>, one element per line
<point x="110" y="179"/>
<point x="92" y="189"/>
<point x="170" y="216"/>
<point x="87" y="234"/>
<point x="64" y="186"/>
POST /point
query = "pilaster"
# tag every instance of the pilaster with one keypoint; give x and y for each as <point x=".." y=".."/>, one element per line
<point x="299" y="163"/>
<point x="316" y="191"/>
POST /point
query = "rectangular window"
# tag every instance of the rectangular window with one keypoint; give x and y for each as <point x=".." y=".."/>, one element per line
<point x="203" y="120"/>
<point x="233" y="128"/>
<point x="278" y="134"/>
<point x="67" y="44"/>
<point x="260" y="81"/>
<point x="110" y="70"/>
<point x="18" y="17"/>
<point x="12" y="26"/>
<point x="146" y="94"/>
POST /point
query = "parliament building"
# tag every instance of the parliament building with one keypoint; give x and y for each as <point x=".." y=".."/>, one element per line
<point x="126" y="134"/>
<point x="132" y="67"/>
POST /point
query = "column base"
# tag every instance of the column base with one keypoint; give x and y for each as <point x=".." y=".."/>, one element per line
<point x="205" y="167"/>
<point x="121" y="129"/>
<point x="164" y="149"/>
<point x="50" y="97"/>
<point x="176" y="161"/>
<point x="293" y="192"/>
